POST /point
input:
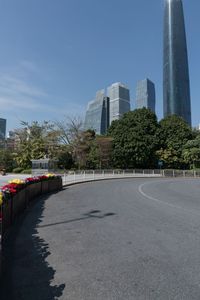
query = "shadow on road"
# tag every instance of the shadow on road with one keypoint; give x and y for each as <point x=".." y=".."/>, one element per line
<point x="26" y="274"/>
<point x="92" y="214"/>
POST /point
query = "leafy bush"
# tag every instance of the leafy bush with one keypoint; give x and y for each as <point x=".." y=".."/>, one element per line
<point x="27" y="171"/>
<point x="17" y="170"/>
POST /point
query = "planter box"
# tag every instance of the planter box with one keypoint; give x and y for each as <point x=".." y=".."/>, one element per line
<point x="6" y="215"/>
<point x="19" y="203"/>
<point x="15" y="205"/>
<point x="55" y="184"/>
<point x="45" y="187"/>
<point x="33" y="190"/>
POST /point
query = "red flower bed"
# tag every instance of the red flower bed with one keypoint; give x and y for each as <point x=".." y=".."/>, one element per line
<point x="12" y="188"/>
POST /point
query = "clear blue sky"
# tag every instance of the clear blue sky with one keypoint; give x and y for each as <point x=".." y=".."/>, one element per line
<point x="55" y="54"/>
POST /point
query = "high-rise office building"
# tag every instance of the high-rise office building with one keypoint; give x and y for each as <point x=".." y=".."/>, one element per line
<point x="145" y="94"/>
<point x="119" y="100"/>
<point x="176" y="86"/>
<point x="2" y="132"/>
<point x="97" y="114"/>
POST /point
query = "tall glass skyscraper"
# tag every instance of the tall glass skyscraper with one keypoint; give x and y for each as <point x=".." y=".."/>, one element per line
<point x="119" y="100"/>
<point x="97" y="114"/>
<point x="145" y="94"/>
<point x="176" y="86"/>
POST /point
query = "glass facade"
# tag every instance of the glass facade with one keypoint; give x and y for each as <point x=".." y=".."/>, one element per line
<point x="145" y="94"/>
<point x="176" y="86"/>
<point x="2" y="132"/>
<point x="119" y="100"/>
<point x="97" y="114"/>
<point x="2" y="129"/>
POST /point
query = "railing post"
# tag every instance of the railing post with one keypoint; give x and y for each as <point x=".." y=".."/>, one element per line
<point x="64" y="177"/>
<point x="163" y="173"/>
<point x="173" y="173"/>
<point x="153" y="172"/>
<point x="195" y="174"/>
<point x="93" y="174"/>
<point x="74" y="176"/>
<point x="113" y="172"/>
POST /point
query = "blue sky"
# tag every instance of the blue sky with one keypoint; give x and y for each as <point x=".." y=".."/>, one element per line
<point x="55" y="54"/>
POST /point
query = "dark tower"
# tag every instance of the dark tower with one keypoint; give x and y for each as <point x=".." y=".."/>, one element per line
<point x="176" y="85"/>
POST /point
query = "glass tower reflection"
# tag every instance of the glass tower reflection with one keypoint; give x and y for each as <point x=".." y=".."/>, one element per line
<point x="176" y="86"/>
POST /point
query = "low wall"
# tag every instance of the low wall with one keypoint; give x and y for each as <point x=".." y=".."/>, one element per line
<point x="13" y="206"/>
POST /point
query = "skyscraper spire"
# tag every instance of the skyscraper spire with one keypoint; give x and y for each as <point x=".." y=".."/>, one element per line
<point x="176" y="86"/>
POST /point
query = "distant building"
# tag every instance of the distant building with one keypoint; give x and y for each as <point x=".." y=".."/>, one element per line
<point x="119" y="100"/>
<point x="2" y="132"/>
<point x="13" y="138"/>
<point x="197" y="127"/>
<point x="97" y="114"/>
<point x="145" y="94"/>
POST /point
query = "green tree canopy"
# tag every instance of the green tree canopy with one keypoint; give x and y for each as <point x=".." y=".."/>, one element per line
<point x="173" y="133"/>
<point x="35" y="141"/>
<point x="6" y="160"/>
<point x="191" y="152"/>
<point x="134" y="139"/>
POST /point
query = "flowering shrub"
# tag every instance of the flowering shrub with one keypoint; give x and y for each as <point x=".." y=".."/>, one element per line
<point x="43" y="177"/>
<point x="34" y="179"/>
<point x="16" y="185"/>
<point x="11" y="188"/>
<point x="50" y="175"/>
<point x="17" y="181"/>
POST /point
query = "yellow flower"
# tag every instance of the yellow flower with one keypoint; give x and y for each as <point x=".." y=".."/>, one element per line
<point x="17" y="181"/>
<point x="50" y="175"/>
<point x="1" y="198"/>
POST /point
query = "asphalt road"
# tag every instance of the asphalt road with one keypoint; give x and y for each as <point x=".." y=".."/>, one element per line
<point x="136" y="239"/>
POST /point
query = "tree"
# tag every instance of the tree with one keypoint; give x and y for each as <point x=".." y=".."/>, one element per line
<point x="104" y="151"/>
<point x="134" y="139"/>
<point x="100" y="153"/>
<point x="82" y="147"/>
<point x="6" y="160"/>
<point x="191" y="152"/>
<point x="169" y="157"/>
<point x="173" y="133"/>
<point x="69" y="130"/>
<point x="35" y="141"/>
<point x="64" y="157"/>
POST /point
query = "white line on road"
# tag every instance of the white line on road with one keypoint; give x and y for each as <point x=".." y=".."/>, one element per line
<point x="140" y="189"/>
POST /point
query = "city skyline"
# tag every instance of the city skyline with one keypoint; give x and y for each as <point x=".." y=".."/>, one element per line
<point x="51" y="68"/>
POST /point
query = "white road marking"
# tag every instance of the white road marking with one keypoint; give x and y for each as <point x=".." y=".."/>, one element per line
<point x="140" y="189"/>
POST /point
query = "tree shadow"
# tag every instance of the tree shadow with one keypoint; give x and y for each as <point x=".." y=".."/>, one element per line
<point x="26" y="273"/>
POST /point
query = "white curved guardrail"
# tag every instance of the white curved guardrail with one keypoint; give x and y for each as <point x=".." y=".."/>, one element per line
<point x="72" y="177"/>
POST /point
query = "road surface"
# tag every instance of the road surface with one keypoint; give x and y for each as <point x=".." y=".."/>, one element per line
<point x="136" y="239"/>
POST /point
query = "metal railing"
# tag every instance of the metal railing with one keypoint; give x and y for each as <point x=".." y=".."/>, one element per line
<point x="89" y="175"/>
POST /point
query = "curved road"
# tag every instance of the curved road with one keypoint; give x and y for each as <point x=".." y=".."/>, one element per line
<point x="136" y="239"/>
